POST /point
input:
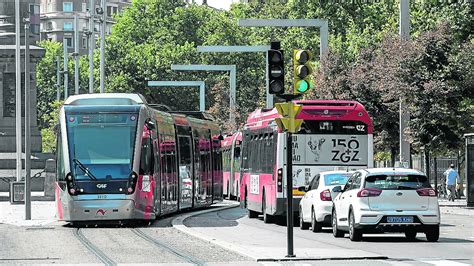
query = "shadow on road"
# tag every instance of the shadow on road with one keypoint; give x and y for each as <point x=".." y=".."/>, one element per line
<point x="223" y="218"/>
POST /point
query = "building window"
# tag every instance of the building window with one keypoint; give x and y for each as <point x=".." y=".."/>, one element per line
<point x="34" y="9"/>
<point x="67" y="26"/>
<point x="50" y="7"/>
<point x="111" y="11"/>
<point x="84" y="7"/>
<point x="49" y="26"/>
<point x="67" y="7"/>
<point x="68" y="42"/>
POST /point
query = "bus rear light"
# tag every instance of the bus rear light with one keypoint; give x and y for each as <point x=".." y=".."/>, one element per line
<point x="132" y="180"/>
<point x="72" y="191"/>
<point x="426" y="192"/>
<point x="280" y="180"/>
<point x="129" y="190"/>
<point x="325" y="195"/>
<point x="369" y="192"/>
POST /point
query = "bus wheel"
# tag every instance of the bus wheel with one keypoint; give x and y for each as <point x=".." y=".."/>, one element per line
<point x="253" y="214"/>
<point x="267" y="218"/>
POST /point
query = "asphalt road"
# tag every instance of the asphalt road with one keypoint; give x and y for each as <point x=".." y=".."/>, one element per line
<point x="455" y="246"/>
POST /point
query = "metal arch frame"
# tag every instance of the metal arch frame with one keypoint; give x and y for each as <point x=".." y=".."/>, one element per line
<point x="200" y="84"/>
<point x="322" y="24"/>
<point x="242" y="49"/>
<point x="232" y="80"/>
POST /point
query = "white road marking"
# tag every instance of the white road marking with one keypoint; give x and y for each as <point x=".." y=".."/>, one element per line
<point x="444" y="262"/>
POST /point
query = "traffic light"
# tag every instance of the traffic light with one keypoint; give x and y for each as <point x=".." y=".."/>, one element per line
<point x="288" y="121"/>
<point x="276" y="71"/>
<point x="302" y="68"/>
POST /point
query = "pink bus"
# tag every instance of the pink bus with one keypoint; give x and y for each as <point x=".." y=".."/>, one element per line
<point x="334" y="135"/>
<point x="231" y="164"/>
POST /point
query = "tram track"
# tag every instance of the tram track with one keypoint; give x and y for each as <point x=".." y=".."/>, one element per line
<point x="92" y="248"/>
<point x="179" y="253"/>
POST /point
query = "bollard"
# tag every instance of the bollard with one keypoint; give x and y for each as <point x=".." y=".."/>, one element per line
<point x="50" y="171"/>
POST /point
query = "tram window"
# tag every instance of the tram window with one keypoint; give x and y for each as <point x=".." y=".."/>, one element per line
<point x="147" y="158"/>
<point x="60" y="176"/>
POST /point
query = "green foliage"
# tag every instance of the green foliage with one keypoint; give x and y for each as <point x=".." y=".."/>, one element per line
<point x="48" y="134"/>
<point x="363" y="63"/>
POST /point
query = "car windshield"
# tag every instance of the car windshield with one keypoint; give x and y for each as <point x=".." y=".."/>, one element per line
<point x="336" y="179"/>
<point x="101" y="145"/>
<point x="391" y="182"/>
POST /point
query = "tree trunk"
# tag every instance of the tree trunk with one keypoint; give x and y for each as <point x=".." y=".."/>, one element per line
<point x="393" y="156"/>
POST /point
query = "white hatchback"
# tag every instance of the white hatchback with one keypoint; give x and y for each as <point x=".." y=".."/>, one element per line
<point x="386" y="200"/>
<point x="316" y="205"/>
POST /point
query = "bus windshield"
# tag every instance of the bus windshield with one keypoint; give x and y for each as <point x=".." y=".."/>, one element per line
<point x="101" y="146"/>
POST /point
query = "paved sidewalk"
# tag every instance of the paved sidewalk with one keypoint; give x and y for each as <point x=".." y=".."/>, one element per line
<point x="457" y="207"/>
<point x="42" y="213"/>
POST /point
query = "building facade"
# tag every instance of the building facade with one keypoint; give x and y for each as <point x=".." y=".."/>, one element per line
<point x="57" y="19"/>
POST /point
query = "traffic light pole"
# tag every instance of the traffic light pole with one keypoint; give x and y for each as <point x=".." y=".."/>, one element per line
<point x="289" y="193"/>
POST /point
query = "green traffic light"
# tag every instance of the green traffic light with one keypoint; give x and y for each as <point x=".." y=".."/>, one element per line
<point x="302" y="86"/>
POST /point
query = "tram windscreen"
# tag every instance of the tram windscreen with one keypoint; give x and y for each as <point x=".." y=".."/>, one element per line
<point x="102" y="143"/>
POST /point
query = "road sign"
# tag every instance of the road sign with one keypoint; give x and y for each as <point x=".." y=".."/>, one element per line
<point x="288" y="121"/>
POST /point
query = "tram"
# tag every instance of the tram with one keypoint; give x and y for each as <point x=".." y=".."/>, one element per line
<point x="231" y="164"/>
<point x="120" y="159"/>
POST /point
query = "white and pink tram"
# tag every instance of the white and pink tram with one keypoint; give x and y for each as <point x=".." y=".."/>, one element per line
<point x="119" y="159"/>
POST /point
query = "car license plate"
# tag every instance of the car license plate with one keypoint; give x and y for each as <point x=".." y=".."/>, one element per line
<point x="400" y="219"/>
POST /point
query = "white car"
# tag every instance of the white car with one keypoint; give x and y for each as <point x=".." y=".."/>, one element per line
<point x="316" y="205"/>
<point x="386" y="200"/>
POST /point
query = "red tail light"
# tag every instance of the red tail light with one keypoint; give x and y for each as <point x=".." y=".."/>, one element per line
<point x="369" y="192"/>
<point x="325" y="195"/>
<point x="280" y="180"/>
<point x="426" y="192"/>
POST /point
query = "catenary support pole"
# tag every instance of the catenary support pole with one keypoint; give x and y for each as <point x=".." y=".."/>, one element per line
<point x="58" y="78"/>
<point x="76" y="54"/>
<point x="102" y="46"/>
<point x="404" y="116"/>
<point x="91" y="45"/>
<point x="18" y="92"/>
<point x="27" y="124"/>
<point x="66" y="79"/>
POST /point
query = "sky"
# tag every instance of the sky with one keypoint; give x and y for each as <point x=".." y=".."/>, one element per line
<point x="222" y="4"/>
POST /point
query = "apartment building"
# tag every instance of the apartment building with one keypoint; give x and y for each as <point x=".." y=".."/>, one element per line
<point x="57" y="19"/>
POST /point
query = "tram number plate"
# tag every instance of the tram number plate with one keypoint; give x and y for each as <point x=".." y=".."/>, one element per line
<point x="101" y="196"/>
<point x="400" y="219"/>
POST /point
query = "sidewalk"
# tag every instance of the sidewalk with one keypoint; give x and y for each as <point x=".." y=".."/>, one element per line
<point x="42" y="213"/>
<point x="458" y="207"/>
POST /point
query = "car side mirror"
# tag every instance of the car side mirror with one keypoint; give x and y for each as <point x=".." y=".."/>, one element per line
<point x="337" y="189"/>
<point x="302" y="189"/>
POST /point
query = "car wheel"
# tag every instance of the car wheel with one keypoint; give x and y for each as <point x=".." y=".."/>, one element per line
<point x="410" y="235"/>
<point x="267" y="218"/>
<point x="354" y="234"/>
<point x="432" y="233"/>
<point x="335" y="232"/>
<point x="315" y="225"/>
<point x="303" y="224"/>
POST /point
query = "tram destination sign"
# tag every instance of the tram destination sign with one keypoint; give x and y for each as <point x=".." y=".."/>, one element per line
<point x="330" y="149"/>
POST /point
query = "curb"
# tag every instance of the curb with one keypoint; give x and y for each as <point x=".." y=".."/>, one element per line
<point x="179" y="225"/>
